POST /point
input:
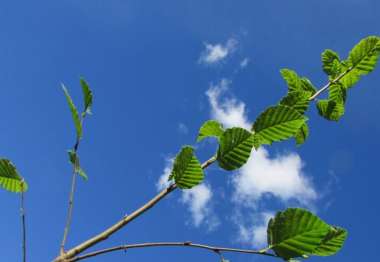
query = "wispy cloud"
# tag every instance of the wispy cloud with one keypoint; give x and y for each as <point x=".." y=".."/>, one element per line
<point x="280" y="176"/>
<point x="255" y="234"/>
<point x="163" y="179"/>
<point x="244" y="63"/>
<point x="183" y="129"/>
<point x="198" y="200"/>
<point x="215" y="53"/>
<point x="228" y="111"/>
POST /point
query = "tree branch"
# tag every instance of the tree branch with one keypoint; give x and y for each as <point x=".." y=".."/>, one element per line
<point x="215" y="249"/>
<point x="124" y="221"/>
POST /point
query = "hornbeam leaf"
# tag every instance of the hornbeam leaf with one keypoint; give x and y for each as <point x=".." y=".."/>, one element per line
<point x="361" y="60"/>
<point x="210" y="128"/>
<point x="299" y="100"/>
<point x="87" y="97"/>
<point x="302" y="134"/>
<point x="332" y="243"/>
<point x="74" y="113"/>
<point x="278" y="123"/>
<point x="331" y="63"/>
<point x="296" y="232"/>
<point x="330" y="109"/>
<point x="337" y="93"/>
<point x="10" y="179"/>
<point x="187" y="171"/>
<point x="333" y="107"/>
<point x="235" y="148"/>
<point x="74" y="160"/>
<point x="296" y="83"/>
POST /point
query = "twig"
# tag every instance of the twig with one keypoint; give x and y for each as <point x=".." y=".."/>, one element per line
<point x="216" y="249"/>
<point x="124" y="221"/>
<point x="22" y="214"/>
<point x="330" y="83"/>
<point x="71" y="202"/>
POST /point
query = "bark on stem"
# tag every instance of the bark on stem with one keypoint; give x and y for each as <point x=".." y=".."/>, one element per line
<point x="215" y="249"/>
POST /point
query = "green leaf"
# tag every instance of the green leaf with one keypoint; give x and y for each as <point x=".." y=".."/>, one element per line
<point x="361" y="60"/>
<point x="87" y="97"/>
<point x="337" y="93"/>
<point x="210" y="128"/>
<point x="330" y="109"/>
<point x="332" y="242"/>
<point x="74" y="160"/>
<point x="296" y="83"/>
<point x="296" y="232"/>
<point x="187" y="171"/>
<point x="299" y="100"/>
<point x="333" y="107"/>
<point x="235" y="148"/>
<point x="278" y="123"/>
<point x="331" y="63"/>
<point x="74" y="113"/>
<point x="302" y="134"/>
<point x="10" y="179"/>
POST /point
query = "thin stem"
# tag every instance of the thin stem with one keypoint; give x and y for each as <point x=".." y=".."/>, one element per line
<point x="216" y="249"/>
<point x="330" y="83"/>
<point x="71" y="203"/>
<point x="69" y="213"/>
<point x="124" y="221"/>
<point x="22" y="214"/>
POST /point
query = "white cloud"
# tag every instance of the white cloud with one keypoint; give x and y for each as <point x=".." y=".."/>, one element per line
<point x="163" y="180"/>
<point x="256" y="234"/>
<point x="216" y="53"/>
<point x="199" y="199"/>
<point x="281" y="177"/>
<point x="244" y="63"/>
<point x="228" y="111"/>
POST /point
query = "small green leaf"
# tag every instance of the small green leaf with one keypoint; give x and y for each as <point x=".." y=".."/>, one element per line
<point x="74" y="160"/>
<point x="210" y="128"/>
<point x="235" y="148"/>
<point x="187" y="171"/>
<point x="10" y="179"/>
<point x="296" y="83"/>
<point x="337" y="93"/>
<point x="87" y="97"/>
<point x="333" y="107"/>
<point x="332" y="242"/>
<point x="302" y="134"/>
<point x="330" y="109"/>
<point x="278" y="123"/>
<point x="299" y="100"/>
<point x="296" y="232"/>
<point x="74" y="113"/>
<point x="331" y="63"/>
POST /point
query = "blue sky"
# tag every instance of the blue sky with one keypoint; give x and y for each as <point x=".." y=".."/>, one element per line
<point x="158" y="70"/>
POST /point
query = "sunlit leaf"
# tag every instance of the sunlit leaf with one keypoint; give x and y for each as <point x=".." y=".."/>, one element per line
<point x="10" y="179"/>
